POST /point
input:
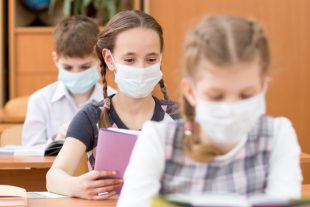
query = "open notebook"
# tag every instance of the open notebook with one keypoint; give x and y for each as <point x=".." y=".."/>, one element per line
<point x="22" y="150"/>
<point x="225" y="200"/>
<point x="51" y="149"/>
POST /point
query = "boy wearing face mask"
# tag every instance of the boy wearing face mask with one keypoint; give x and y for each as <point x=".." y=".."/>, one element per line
<point x="226" y="143"/>
<point x="51" y="109"/>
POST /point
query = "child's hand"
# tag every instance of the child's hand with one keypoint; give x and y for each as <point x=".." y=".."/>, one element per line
<point x="91" y="185"/>
<point x="62" y="131"/>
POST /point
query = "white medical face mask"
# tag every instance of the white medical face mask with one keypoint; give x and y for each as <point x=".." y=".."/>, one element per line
<point x="78" y="82"/>
<point x="137" y="82"/>
<point x="228" y="123"/>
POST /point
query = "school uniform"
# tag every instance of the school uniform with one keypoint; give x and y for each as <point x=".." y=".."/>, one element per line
<point x="87" y="119"/>
<point x="49" y="108"/>
<point x="265" y="161"/>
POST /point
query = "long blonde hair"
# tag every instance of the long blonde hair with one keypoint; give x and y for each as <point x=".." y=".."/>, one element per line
<point x="223" y="41"/>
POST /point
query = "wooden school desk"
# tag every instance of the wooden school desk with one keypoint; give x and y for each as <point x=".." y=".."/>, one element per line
<point x="25" y="171"/>
<point x="69" y="202"/>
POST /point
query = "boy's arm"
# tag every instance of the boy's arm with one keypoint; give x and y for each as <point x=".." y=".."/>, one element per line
<point x="34" y="130"/>
<point x="285" y="178"/>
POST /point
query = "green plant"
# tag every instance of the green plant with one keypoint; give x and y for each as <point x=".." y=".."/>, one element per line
<point x="102" y="10"/>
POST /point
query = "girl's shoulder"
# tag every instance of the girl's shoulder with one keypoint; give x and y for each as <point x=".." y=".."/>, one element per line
<point x="92" y="109"/>
<point x="170" y="107"/>
<point x="272" y="126"/>
<point x="283" y="131"/>
<point x="164" y="126"/>
<point x="168" y="132"/>
<point x="274" y="133"/>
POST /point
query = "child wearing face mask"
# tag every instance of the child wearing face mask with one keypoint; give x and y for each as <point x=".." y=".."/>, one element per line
<point x="52" y="108"/>
<point x="226" y="143"/>
<point x="136" y="67"/>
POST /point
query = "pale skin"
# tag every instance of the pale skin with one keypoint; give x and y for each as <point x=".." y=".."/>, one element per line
<point x="134" y="53"/>
<point x="74" y="65"/>
<point x="224" y="84"/>
<point x="129" y="50"/>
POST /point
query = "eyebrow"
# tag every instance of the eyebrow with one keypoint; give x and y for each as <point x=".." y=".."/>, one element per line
<point x="86" y="64"/>
<point x="132" y="53"/>
<point x="249" y="88"/>
<point x="129" y="53"/>
<point x="65" y="64"/>
<point x="213" y="90"/>
<point x="152" y="53"/>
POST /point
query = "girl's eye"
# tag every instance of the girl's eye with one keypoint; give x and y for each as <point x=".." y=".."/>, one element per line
<point x="245" y="96"/>
<point x="129" y="60"/>
<point x="219" y="97"/>
<point x="85" y="67"/>
<point x="152" y="60"/>
<point x="68" y="68"/>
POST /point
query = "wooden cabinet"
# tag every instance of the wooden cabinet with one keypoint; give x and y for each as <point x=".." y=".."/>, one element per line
<point x="30" y="52"/>
<point x="30" y="56"/>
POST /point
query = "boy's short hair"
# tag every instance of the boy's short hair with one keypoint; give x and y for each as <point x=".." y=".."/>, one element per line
<point x="76" y="36"/>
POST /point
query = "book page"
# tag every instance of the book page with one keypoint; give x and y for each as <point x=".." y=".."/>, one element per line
<point x="20" y="150"/>
<point x="44" y="194"/>
<point x="8" y="190"/>
<point x="125" y="131"/>
<point x="12" y="196"/>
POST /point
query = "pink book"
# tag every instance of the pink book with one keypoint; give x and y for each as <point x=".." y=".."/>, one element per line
<point x="114" y="148"/>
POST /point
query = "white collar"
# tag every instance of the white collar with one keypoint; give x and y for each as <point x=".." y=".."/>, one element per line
<point x="61" y="91"/>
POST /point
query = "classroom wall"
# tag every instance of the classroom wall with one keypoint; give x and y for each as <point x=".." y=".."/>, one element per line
<point x="288" y="28"/>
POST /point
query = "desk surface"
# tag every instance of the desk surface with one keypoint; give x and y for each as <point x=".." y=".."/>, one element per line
<point x="69" y="202"/>
<point x="46" y="162"/>
<point x="26" y="162"/>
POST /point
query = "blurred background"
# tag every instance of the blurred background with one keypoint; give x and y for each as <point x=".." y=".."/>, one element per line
<point x="26" y="46"/>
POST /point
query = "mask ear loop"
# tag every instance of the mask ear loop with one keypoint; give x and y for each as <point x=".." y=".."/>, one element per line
<point x="265" y="85"/>
<point x="113" y="61"/>
<point x="160" y="59"/>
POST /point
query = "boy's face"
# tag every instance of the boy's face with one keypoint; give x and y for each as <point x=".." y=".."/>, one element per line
<point x="75" y="64"/>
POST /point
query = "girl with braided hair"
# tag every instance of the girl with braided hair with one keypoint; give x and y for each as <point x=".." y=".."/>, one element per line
<point x="226" y="143"/>
<point x="130" y="46"/>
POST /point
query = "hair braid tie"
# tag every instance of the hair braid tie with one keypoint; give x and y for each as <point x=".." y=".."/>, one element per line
<point x="163" y="89"/>
<point x="107" y="103"/>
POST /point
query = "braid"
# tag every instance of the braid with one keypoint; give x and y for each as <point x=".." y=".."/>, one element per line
<point x="104" y="121"/>
<point x="163" y="89"/>
<point x="258" y="32"/>
<point x="259" y="44"/>
<point x="191" y="143"/>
